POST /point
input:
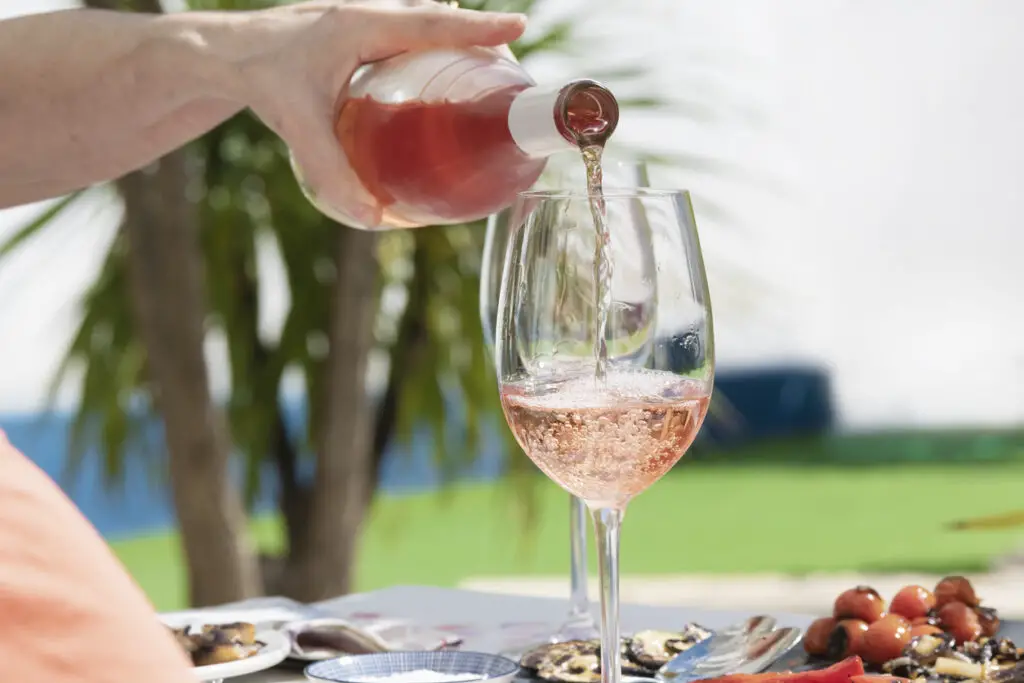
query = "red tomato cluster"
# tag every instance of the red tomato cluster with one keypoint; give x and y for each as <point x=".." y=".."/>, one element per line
<point x="861" y="625"/>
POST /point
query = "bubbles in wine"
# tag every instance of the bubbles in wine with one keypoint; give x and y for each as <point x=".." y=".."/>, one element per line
<point x="607" y="442"/>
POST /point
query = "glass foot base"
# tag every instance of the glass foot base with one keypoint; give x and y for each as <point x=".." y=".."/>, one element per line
<point x="582" y="627"/>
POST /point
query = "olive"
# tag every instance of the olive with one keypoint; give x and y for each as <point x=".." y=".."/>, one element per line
<point x="846" y="639"/>
<point x="989" y="620"/>
<point x="862" y="602"/>
<point x="955" y="589"/>
<point x="817" y="635"/>
<point x="912" y="602"/>
<point x="924" y="630"/>
<point x="886" y="638"/>
<point x="960" y="621"/>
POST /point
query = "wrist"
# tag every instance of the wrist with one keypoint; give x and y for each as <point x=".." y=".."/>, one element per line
<point x="211" y="46"/>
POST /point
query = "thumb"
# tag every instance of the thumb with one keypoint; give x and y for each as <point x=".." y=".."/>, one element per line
<point x="430" y="27"/>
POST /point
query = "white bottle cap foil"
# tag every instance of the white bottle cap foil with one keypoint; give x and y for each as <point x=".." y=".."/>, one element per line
<point x="531" y="121"/>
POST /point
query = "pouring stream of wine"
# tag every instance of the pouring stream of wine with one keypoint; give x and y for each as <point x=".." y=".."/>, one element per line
<point x="602" y="256"/>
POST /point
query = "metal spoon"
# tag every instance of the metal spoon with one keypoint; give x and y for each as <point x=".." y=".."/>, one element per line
<point x="748" y="647"/>
<point x="724" y="643"/>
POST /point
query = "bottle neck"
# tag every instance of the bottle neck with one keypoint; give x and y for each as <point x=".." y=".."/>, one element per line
<point x="532" y="123"/>
<point x="546" y="121"/>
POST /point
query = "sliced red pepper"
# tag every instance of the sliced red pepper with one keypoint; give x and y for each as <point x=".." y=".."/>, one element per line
<point x="840" y="672"/>
<point x="746" y="678"/>
<point x="751" y="678"/>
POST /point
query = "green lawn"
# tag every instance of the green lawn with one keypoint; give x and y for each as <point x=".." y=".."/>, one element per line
<point x="702" y="518"/>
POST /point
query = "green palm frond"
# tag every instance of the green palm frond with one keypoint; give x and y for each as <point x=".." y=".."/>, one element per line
<point x="107" y="350"/>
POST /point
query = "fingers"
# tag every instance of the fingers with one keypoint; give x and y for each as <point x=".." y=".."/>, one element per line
<point x="328" y="179"/>
<point x="419" y="28"/>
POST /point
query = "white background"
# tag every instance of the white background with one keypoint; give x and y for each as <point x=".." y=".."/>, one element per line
<point x="875" y="206"/>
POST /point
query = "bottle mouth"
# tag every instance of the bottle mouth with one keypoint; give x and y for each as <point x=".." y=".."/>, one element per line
<point x="588" y="112"/>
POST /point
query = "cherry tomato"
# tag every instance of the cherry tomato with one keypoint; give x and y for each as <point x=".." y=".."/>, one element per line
<point x="847" y="639"/>
<point x="912" y="602"/>
<point x="817" y="635"/>
<point x="924" y="630"/>
<point x="886" y="638"/>
<point x="955" y="589"/>
<point x="862" y="602"/>
<point x="960" y="621"/>
<point x="923" y="621"/>
<point x="989" y="620"/>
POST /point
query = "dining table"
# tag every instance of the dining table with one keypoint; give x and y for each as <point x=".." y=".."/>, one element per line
<point x="486" y="622"/>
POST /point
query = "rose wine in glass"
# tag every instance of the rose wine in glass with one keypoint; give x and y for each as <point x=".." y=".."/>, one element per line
<point x="599" y="293"/>
<point x="563" y="171"/>
<point x="607" y="442"/>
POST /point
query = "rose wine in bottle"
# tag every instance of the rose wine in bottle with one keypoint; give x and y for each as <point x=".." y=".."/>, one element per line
<point x="449" y="136"/>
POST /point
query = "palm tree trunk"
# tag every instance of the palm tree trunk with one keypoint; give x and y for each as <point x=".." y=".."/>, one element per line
<point x="161" y="226"/>
<point x="165" y="268"/>
<point x="322" y="566"/>
<point x="406" y="353"/>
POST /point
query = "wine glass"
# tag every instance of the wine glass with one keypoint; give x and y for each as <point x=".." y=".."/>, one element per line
<point x="604" y="351"/>
<point x="580" y="624"/>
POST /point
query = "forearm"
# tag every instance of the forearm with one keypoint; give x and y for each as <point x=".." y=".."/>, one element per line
<point x="88" y="95"/>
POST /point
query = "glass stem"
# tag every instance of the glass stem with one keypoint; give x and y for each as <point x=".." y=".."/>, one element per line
<point x="607" y="522"/>
<point x="579" y="603"/>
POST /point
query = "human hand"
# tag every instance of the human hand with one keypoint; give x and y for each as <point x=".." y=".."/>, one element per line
<point x="297" y="79"/>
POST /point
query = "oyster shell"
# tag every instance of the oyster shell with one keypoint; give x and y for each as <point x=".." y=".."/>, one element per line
<point x="1006" y="651"/>
<point x="542" y="655"/>
<point x="242" y="632"/>
<point x="626" y="663"/>
<point x="571" y="667"/>
<point x="574" y="661"/>
<point x="653" y="649"/>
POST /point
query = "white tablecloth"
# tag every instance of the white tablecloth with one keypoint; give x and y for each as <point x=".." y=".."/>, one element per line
<point x="488" y="611"/>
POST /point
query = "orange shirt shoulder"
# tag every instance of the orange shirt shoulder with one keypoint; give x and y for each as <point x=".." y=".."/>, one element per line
<point x="69" y="613"/>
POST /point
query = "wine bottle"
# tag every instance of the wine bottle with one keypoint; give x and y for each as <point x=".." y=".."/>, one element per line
<point x="450" y="136"/>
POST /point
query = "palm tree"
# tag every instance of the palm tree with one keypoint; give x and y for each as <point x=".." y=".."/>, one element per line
<point x="184" y="263"/>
